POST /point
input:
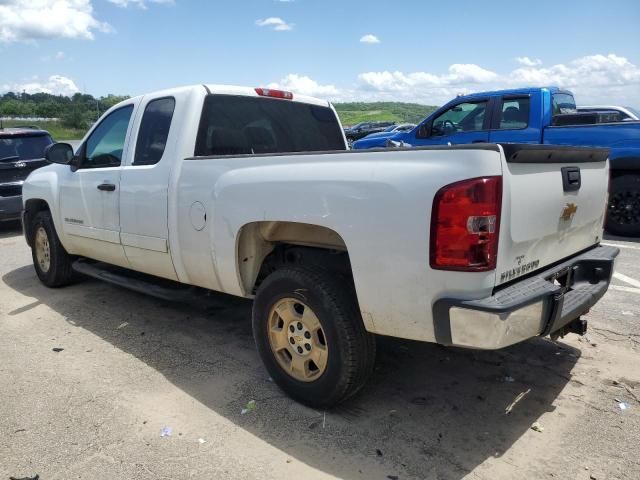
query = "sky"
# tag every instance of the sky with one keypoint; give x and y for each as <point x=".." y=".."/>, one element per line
<point x="362" y="50"/>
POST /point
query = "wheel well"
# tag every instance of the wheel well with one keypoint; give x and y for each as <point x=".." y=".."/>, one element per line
<point x="620" y="173"/>
<point x="31" y="209"/>
<point x="265" y="246"/>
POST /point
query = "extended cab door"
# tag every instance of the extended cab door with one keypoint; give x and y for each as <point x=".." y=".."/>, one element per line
<point x="516" y="119"/>
<point x="464" y="122"/>
<point x="89" y="196"/>
<point x="144" y="187"/>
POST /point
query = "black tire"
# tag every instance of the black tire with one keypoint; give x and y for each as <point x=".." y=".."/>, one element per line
<point x="351" y="349"/>
<point x="623" y="211"/>
<point x="59" y="273"/>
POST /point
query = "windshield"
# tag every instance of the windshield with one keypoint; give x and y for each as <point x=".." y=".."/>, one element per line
<point x="23" y="147"/>
<point x="237" y="125"/>
<point x="563" y="103"/>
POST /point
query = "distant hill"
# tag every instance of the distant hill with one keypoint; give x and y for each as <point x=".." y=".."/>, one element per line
<point x="355" y="112"/>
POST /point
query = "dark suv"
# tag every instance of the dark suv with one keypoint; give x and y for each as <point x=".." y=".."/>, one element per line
<point x="365" y="128"/>
<point x="21" y="152"/>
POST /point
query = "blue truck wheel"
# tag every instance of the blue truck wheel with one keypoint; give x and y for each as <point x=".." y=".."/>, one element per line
<point x="623" y="212"/>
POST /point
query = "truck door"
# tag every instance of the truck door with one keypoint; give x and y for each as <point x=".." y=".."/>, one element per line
<point x="144" y="188"/>
<point x="89" y="196"/>
<point x="512" y="120"/>
<point x="465" y="122"/>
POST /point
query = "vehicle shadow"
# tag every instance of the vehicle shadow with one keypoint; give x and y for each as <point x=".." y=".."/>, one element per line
<point x="11" y="228"/>
<point x="609" y="236"/>
<point x="428" y="411"/>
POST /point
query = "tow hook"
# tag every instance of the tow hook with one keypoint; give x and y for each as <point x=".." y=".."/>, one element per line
<point x="579" y="326"/>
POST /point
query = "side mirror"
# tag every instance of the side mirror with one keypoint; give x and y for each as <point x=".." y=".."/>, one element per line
<point x="424" y="130"/>
<point x="61" y="153"/>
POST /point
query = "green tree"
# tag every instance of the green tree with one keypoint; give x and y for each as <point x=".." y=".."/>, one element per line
<point x="74" y="118"/>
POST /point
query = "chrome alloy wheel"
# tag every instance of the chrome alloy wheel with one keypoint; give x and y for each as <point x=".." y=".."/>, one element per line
<point x="297" y="340"/>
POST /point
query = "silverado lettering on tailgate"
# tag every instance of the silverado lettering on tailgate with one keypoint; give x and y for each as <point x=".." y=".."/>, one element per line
<point x="519" y="270"/>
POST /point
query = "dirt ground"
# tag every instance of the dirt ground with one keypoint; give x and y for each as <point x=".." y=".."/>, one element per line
<point x="132" y="365"/>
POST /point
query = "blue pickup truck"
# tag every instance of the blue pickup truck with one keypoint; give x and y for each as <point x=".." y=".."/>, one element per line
<point x="540" y="116"/>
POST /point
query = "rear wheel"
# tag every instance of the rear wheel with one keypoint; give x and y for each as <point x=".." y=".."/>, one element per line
<point x="310" y="336"/>
<point x="50" y="259"/>
<point x="623" y="211"/>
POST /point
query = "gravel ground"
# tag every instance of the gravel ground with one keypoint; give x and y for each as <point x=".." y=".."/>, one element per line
<point x="131" y="365"/>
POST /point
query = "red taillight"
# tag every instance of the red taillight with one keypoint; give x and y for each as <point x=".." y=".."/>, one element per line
<point x="268" y="92"/>
<point x="465" y="224"/>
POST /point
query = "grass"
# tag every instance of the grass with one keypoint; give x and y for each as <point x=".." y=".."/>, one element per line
<point x="355" y="112"/>
<point x="56" y="129"/>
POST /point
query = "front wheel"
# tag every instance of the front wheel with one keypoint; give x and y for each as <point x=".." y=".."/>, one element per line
<point x="50" y="259"/>
<point x="623" y="211"/>
<point x="310" y="336"/>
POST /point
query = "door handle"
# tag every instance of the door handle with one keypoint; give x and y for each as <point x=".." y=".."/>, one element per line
<point x="571" y="179"/>
<point x="479" y="141"/>
<point x="107" y="187"/>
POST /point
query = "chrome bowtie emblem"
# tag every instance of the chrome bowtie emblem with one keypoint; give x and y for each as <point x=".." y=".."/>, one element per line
<point x="19" y="164"/>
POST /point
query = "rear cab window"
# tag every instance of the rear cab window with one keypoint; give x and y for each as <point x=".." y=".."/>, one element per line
<point x="154" y="131"/>
<point x="562" y="102"/>
<point x="514" y="113"/>
<point x="241" y="125"/>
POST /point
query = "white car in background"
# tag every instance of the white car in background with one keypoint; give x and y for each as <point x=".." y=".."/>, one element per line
<point x="627" y="114"/>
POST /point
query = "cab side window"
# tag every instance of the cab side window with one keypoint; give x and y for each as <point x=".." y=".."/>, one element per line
<point x="514" y="113"/>
<point x="105" y="144"/>
<point x="154" y="131"/>
<point x="563" y="103"/>
<point x="463" y="117"/>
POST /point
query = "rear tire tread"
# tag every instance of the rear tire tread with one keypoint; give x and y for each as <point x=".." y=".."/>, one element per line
<point x="357" y="345"/>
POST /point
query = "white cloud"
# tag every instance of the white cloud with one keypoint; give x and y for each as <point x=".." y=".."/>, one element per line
<point x="528" y="62"/>
<point x="276" y="23"/>
<point x="458" y="74"/>
<point x="594" y="79"/>
<point x="305" y="86"/>
<point x="592" y="71"/>
<point x="140" y="3"/>
<point x="59" y="55"/>
<point x="369" y="38"/>
<point x="55" y="84"/>
<point x="24" y="20"/>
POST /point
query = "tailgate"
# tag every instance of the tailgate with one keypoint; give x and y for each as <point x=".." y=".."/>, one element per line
<point x="553" y="205"/>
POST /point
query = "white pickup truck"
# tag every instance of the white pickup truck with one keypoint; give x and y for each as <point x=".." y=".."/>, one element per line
<point x="253" y="192"/>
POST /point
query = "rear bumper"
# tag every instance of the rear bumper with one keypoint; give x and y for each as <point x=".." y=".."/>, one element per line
<point x="10" y="207"/>
<point x="540" y="304"/>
